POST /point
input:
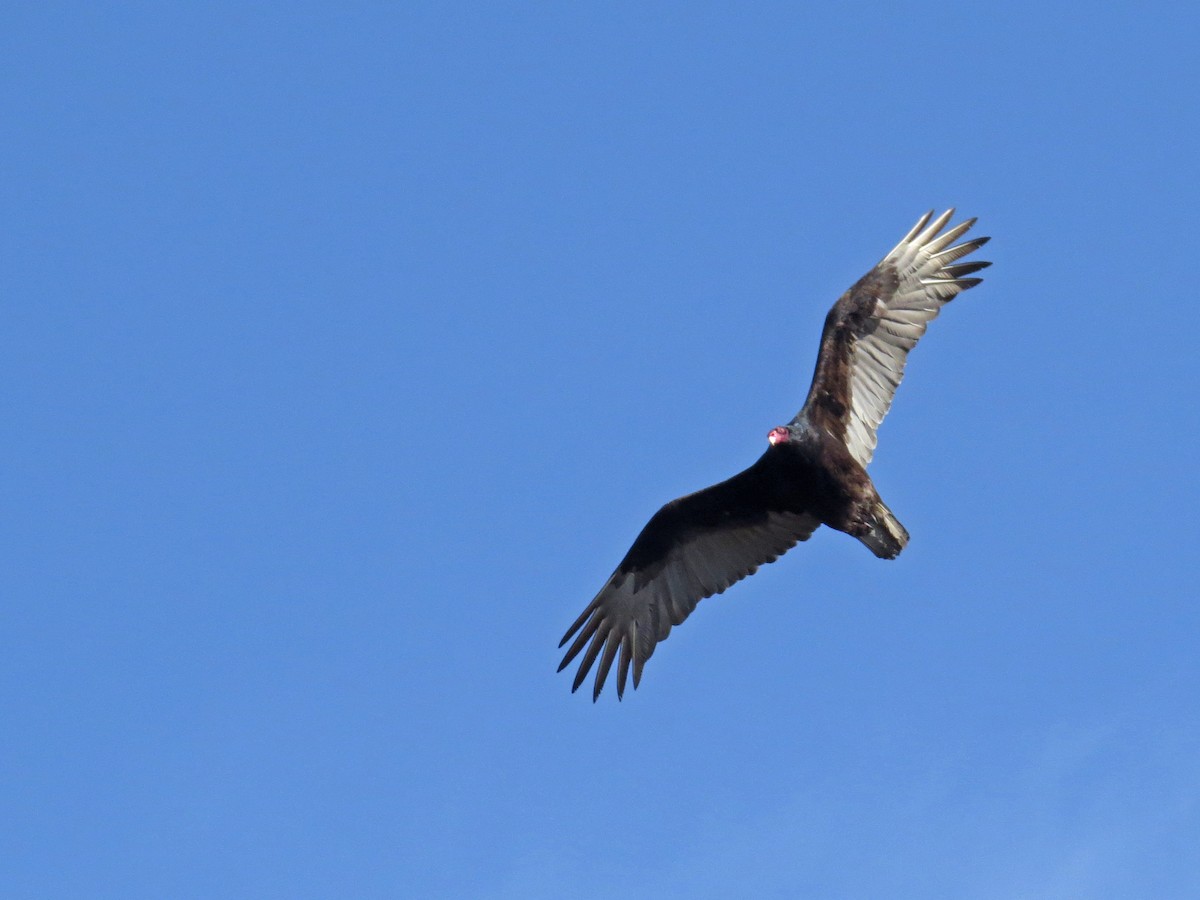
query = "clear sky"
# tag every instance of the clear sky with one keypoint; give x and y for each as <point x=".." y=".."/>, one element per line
<point x="344" y="349"/>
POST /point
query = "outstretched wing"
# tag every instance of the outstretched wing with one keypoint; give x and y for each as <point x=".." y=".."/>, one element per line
<point x="871" y="328"/>
<point x="692" y="548"/>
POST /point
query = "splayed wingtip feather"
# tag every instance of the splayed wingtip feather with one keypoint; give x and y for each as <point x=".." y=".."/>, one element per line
<point x="606" y="661"/>
<point x="589" y="658"/>
<point x="623" y="664"/>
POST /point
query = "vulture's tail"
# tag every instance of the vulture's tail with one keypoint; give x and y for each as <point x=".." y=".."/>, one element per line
<point x="887" y="536"/>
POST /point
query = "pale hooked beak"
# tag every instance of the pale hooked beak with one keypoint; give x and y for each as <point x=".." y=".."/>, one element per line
<point x="778" y="436"/>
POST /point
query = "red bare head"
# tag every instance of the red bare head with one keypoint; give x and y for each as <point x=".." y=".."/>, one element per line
<point x="779" y="435"/>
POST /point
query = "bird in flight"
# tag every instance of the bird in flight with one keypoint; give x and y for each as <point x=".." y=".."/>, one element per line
<point x="813" y="473"/>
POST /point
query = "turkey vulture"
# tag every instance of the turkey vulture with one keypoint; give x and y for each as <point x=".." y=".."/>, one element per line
<point x="813" y="473"/>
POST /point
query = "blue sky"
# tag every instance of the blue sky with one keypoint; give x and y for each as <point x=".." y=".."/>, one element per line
<point x="346" y="348"/>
